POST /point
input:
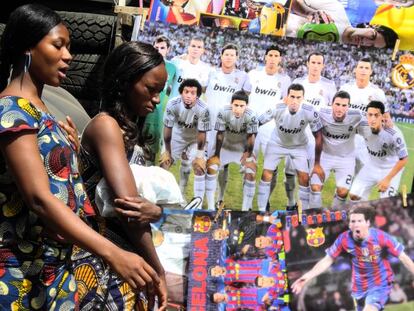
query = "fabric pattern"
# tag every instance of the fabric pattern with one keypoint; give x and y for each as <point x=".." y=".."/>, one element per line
<point x="34" y="270"/>
<point x="99" y="288"/>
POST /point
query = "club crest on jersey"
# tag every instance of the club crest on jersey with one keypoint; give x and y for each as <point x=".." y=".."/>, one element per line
<point x="302" y="122"/>
<point x="385" y="146"/>
<point x="236" y="80"/>
<point x="315" y="236"/>
<point x="351" y="128"/>
<point x="321" y="92"/>
<point x="202" y="224"/>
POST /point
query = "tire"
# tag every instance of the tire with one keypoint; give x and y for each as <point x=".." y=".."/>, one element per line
<point x="90" y="33"/>
<point x="83" y="77"/>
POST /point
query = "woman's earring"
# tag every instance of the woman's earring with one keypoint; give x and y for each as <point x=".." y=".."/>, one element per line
<point x="27" y="61"/>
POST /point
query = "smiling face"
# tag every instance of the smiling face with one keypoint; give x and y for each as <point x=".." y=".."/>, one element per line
<point x="359" y="226"/>
<point x="144" y="94"/>
<point x="51" y="57"/>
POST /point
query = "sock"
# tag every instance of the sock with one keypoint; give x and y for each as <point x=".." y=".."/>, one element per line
<point x="199" y="186"/>
<point x="185" y="170"/>
<point x="222" y="181"/>
<point x="248" y="194"/>
<point x="338" y="201"/>
<point x="304" y="193"/>
<point x="211" y="184"/>
<point x="263" y="195"/>
<point x="290" y="185"/>
<point x="315" y="199"/>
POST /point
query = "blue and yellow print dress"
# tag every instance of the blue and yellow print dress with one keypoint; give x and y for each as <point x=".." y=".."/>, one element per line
<point x="35" y="271"/>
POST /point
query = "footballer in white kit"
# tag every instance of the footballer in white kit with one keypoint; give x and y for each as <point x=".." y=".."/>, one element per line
<point x="338" y="149"/>
<point x="186" y="121"/>
<point x="362" y="91"/>
<point x="236" y="128"/>
<point x="387" y="153"/>
<point x="290" y="140"/>
<point x="268" y="87"/>
<point x="319" y="92"/>
<point x="222" y="83"/>
<point x="190" y="66"/>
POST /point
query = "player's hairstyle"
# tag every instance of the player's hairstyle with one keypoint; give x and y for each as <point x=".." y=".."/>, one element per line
<point x="363" y="208"/>
<point x="341" y="94"/>
<point x="27" y="25"/>
<point x="196" y="38"/>
<point x="256" y="280"/>
<point x="365" y="59"/>
<point x="125" y="65"/>
<point x="240" y="95"/>
<point x="389" y="35"/>
<point x="273" y="48"/>
<point x="296" y="87"/>
<point x="376" y="104"/>
<point x="190" y="83"/>
<point x="167" y="2"/>
<point x="316" y="53"/>
<point x="230" y="46"/>
<point x="162" y="38"/>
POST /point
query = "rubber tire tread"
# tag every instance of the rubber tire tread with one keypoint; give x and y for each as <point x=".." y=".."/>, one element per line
<point x="83" y="77"/>
<point x="90" y="33"/>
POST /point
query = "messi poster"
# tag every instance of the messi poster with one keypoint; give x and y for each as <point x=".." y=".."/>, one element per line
<point x="358" y="256"/>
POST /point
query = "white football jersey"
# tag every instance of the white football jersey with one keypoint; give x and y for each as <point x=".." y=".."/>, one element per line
<point x="339" y="137"/>
<point x="186" y="122"/>
<point x="187" y="70"/>
<point x="290" y="128"/>
<point x="384" y="148"/>
<point x="318" y="94"/>
<point x="267" y="90"/>
<point x="221" y="86"/>
<point x="236" y="129"/>
<point x="360" y="97"/>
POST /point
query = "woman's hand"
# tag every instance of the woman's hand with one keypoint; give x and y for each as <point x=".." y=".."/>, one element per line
<point x="133" y="269"/>
<point x="138" y="209"/>
<point x="72" y="132"/>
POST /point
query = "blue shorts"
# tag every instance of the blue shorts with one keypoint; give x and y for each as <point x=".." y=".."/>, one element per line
<point x="376" y="297"/>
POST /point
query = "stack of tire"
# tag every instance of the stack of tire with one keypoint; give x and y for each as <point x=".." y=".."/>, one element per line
<point x="92" y="37"/>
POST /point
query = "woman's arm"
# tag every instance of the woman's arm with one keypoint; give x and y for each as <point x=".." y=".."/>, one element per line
<point x="103" y="138"/>
<point x="21" y="153"/>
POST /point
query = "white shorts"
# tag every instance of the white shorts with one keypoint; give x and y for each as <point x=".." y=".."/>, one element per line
<point x="263" y="137"/>
<point x="274" y="153"/>
<point x="310" y="148"/>
<point x="229" y="156"/>
<point x="369" y="176"/>
<point x="179" y="146"/>
<point x="344" y="169"/>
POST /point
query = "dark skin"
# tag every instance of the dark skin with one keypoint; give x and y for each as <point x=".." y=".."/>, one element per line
<point x="21" y="152"/>
<point x="103" y="138"/>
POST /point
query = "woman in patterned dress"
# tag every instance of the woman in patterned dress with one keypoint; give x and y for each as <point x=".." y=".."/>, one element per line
<point x="133" y="77"/>
<point x="41" y="191"/>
